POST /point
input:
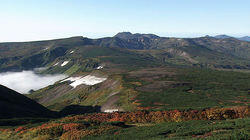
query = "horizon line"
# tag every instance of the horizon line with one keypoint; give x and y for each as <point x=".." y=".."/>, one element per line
<point x="191" y="35"/>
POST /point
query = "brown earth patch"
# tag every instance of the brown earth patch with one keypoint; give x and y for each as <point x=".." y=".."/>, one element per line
<point x="111" y="103"/>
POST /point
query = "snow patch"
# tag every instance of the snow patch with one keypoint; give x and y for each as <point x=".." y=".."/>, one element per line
<point x="56" y="64"/>
<point x="46" y="48"/>
<point x="99" y="67"/>
<point x="72" y="51"/>
<point x="64" y="63"/>
<point x="86" y="80"/>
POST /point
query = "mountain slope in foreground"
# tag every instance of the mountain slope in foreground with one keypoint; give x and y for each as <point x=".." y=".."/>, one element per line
<point x="16" y="105"/>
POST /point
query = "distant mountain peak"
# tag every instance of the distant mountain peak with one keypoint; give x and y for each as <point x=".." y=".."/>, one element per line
<point x="223" y="36"/>
<point x="129" y="35"/>
<point x="208" y="36"/>
<point x="123" y="34"/>
<point x="245" y="38"/>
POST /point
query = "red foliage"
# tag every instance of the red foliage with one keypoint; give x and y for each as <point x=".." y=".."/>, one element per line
<point x="161" y="116"/>
<point x="19" y="129"/>
<point x="73" y="126"/>
<point x="70" y="128"/>
<point x="4" y="130"/>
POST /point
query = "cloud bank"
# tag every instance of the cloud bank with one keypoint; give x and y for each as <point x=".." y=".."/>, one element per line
<point x="24" y="81"/>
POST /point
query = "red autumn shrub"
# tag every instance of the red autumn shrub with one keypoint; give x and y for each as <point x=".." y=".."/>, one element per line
<point x="21" y="128"/>
<point x="73" y="126"/>
<point x="52" y="129"/>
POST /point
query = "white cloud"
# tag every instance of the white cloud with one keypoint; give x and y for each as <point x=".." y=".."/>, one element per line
<point x="24" y="81"/>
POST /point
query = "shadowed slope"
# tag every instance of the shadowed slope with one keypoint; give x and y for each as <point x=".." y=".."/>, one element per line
<point x="15" y="105"/>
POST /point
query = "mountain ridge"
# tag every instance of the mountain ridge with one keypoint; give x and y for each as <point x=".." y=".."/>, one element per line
<point x="223" y="36"/>
<point x="28" y="55"/>
<point x="245" y="38"/>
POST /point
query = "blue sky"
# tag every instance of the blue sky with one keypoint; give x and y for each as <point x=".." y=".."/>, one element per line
<point x="26" y="20"/>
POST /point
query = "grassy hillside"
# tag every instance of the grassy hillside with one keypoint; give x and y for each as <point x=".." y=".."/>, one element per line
<point x="158" y="88"/>
<point x="230" y="129"/>
<point x="183" y="88"/>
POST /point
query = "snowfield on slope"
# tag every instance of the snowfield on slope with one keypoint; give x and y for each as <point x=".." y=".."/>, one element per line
<point x="65" y="63"/>
<point x="56" y="64"/>
<point x="99" y="67"/>
<point x="86" y="80"/>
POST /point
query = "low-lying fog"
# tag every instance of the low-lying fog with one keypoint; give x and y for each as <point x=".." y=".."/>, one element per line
<point x="24" y="81"/>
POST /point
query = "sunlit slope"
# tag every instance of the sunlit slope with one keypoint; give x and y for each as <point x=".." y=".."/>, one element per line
<point x="209" y="52"/>
<point x="184" y="88"/>
<point x="157" y="88"/>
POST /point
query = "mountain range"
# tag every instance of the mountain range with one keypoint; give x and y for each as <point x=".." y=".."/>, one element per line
<point x="245" y="38"/>
<point x="130" y="72"/>
<point x="203" y="51"/>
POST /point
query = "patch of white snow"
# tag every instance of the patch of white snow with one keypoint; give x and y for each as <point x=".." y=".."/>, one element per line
<point x="56" y="64"/>
<point x="72" y="51"/>
<point x="99" y="67"/>
<point x="64" y="63"/>
<point x="86" y="80"/>
<point x="46" y="48"/>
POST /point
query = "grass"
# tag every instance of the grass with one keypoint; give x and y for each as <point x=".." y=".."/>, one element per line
<point x="196" y="88"/>
<point x="227" y="129"/>
<point x="187" y="88"/>
<point x="72" y="70"/>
